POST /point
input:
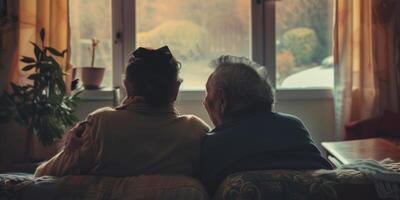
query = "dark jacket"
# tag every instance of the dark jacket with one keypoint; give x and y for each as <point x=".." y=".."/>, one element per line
<point x="257" y="141"/>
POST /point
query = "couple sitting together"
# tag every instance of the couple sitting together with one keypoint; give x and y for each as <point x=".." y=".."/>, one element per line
<point x="147" y="135"/>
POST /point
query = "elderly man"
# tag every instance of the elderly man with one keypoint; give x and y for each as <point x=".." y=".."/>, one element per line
<point x="248" y="134"/>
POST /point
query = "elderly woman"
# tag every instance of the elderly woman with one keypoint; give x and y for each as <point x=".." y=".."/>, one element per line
<point x="145" y="135"/>
<point x="248" y="134"/>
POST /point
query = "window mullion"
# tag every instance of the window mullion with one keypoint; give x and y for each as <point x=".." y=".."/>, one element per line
<point x="257" y="31"/>
<point x="269" y="34"/>
<point x="123" y="37"/>
<point x="129" y="18"/>
<point x="263" y="36"/>
<point x="117" y="42"/>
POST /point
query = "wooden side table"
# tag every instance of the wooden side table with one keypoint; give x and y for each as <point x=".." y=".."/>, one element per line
<point x="345" y="152"/>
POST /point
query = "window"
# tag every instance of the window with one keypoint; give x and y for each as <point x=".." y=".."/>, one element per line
<point x="92" y="19"/>
<point x="291" y="37"/>
<point x="303" y="44"/>
<point x="196" y="32"/>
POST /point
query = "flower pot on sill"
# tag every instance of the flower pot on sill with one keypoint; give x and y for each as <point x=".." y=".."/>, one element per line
<point x="92" y="77"/>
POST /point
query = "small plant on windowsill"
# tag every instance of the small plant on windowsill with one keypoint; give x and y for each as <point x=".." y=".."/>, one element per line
<point x="43" y="107"/>
<point x="92" y="76"/>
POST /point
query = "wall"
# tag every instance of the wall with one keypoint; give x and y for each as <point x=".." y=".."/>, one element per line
<point x="317" y="115"/>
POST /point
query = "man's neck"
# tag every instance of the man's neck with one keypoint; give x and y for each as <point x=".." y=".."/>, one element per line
<point x="246" y="112"/>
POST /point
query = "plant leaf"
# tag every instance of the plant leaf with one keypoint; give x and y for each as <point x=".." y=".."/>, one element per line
<point x="33" y="76"/>
<point x="38" y="51"/>
<point x="45" y="66"/>
<point x="55" y="52"/>
<point x="42" y="34"/>
<point x="54" y="62"/>
<point x="76" y="95"/>
<point x="26" y="59"/>
<point x="28" y="67"/>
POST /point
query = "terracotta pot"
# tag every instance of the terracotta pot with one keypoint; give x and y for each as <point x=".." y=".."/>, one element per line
<point x="92" y="77"/>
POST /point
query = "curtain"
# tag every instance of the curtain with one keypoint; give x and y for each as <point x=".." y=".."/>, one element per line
<point x="32" y="16"/>
<point x="366" y="75"/>
<point x="23" y="22"/>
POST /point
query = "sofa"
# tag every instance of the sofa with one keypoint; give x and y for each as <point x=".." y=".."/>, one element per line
<point x="267" y="184"/>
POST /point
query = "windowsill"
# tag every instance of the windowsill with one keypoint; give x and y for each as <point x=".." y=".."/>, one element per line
<point x="304" y="94"/>
<point x="191" y="95"/>
<point x="111" y="94"/>
<point x="281" y="94"/>
<point x="103" y="94"/>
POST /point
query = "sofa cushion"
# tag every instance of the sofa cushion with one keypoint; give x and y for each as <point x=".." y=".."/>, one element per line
<point x="299" y="185"/>
<point x="25" y="186"/>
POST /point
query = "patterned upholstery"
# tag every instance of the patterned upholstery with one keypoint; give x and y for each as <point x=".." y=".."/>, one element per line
<point x="299" y="185"/>
<point x="24" y="186"/>
<point x="251" y="185"/>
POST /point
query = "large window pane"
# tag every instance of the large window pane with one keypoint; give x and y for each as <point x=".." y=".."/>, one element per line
<point x="303" y="37"/>
<point x="92" y="19"/>
<point x="196" y="32"/>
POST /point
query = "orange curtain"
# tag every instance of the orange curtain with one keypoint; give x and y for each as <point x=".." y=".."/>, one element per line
<point x="367" y="79"/>
<point x="32" y="16"/>
<point x="22" y="24"/>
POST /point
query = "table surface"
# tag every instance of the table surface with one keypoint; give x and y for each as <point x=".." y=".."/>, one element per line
<point x="351" y="150"/>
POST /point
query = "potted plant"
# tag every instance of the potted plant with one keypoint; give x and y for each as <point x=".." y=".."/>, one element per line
<point x="92" y="76"/>
<point x="43" y="106"/>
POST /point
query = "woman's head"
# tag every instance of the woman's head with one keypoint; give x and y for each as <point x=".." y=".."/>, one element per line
<point x="153" y="74"/>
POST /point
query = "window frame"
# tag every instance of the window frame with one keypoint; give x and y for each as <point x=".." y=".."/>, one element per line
<point x="263" y="48"/>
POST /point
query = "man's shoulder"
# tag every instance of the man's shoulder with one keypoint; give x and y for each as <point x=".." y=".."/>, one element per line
<point x="287" y="118"/>
<point x="270" y="121"/>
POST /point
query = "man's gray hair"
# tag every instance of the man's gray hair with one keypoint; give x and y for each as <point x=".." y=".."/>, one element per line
<point x="242" y="79"/>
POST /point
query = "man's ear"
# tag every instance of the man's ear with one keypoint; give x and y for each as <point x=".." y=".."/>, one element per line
<point x="176" y="91"/>
<point x="222" y="100"/>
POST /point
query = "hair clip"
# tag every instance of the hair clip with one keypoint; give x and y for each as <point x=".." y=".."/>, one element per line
<point x="162" y="53"/>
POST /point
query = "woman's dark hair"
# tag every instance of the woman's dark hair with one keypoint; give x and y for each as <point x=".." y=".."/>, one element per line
<point x="152" y="74"/>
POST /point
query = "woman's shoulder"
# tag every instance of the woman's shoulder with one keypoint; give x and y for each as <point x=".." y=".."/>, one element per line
<point x="102" y="110"/>
<point x="195" y="122"/>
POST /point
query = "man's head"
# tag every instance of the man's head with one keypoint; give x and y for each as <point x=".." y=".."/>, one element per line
<point x="236" y="85"/>
<point x="153" y="74"/>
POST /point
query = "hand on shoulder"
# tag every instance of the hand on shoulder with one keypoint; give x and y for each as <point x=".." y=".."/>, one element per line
<point x="73" y="139"/>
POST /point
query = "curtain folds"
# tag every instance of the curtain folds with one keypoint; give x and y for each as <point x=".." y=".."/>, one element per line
<point x="34" y="15"/>
<point x="367" y="78"/>
<point x="31" y="16"/>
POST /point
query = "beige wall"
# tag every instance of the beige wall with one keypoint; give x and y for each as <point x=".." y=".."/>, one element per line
<point x="317" y="115"/>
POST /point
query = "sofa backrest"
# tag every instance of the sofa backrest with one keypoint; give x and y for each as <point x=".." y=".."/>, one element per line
<point x="144" y="187"/>
<point x="296" y="184"/>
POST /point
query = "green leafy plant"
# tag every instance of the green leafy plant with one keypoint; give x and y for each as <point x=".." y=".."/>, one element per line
<point x="302" y="43"/>
<point x="42" y="107"/>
